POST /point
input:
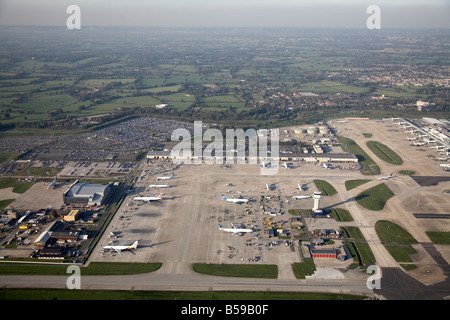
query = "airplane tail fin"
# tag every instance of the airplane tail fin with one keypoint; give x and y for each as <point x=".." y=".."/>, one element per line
<point x="135" y="244"/>
<point x="160" y="196"/>
<point x="220" y="227"/>
<point x="224" y="198"/>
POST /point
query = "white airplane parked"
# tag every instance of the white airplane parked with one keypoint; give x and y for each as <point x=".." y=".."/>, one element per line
<point x="235" y="200"/>
<point x="157" y="186"/>
<point x="235" y="230"/>
<point x="52" y="184"/>
<point x="121" y="247"/>
<point x="148" y="199"/>
<point x="285" y="164"/>
<point x="165" y="178"/>
<point x="302" y="197"/>
<point x="386" y="177"/>
<point x="265" y="165"/>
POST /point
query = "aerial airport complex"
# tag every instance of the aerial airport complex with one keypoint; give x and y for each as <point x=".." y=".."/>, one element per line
<point x="346" y="195"/>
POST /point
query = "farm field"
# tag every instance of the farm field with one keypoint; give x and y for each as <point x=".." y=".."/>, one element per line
<point x="220" y="77"/>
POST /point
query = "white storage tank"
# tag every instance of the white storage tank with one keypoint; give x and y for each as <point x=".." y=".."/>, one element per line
<point x="312" y="130"/>
<point x="324" y="130"/>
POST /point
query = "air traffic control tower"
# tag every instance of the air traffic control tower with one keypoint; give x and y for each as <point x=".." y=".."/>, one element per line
<point x="317" y="196"/>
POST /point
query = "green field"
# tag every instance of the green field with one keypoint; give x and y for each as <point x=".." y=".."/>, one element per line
<point x="375" y="198"/>
<point x="327" y="86"/>
<point x="369" y="166"/>
<point x="384" y="152"/>
<point x="324" y="187"/>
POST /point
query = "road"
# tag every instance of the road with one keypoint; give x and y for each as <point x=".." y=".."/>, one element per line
<point x="161" y="280"/>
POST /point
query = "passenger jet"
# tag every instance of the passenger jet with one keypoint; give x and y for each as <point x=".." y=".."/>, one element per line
<point x="302" y="197"/>
<point x="386" y="177"/>
<point x="52" y="184"/>
<point x="157" y="186"/>
<point x="235" y="230"/>
<point x="121" y="247"/>
<point x="165" y="178"/>
<point x="148" y="199"/>
<point x="235" y="200"/>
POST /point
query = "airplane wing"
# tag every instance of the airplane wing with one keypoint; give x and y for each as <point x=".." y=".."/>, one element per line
<point x="236" y="233"/>
<point x="117" y="250"/>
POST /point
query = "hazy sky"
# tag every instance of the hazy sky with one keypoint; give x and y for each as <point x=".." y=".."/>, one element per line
<point x="229" y="13"/>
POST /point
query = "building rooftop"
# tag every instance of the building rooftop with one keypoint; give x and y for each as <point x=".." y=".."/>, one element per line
<point x="85" y="189"/>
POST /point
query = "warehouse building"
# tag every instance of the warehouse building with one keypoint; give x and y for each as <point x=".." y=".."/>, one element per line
<point x="86" y="194"/>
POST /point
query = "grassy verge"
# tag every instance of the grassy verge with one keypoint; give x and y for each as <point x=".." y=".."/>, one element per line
<point x="17" y="185"/>
<point x="360" y="251"/>
<point x="44" y="171"/>
<point x="303" y="269"/>
<point x="375" y="198"/>
<point x="396" y="240"/>
<point x="5" y="203"/>
<point x="384" y="152"/>
<point x="60" y="294"/>
<point x="94" y="268"/>
<point x="340" y="214"/>
<point x="238" y="270"/>
<point x="352" y="184"/>
<point x="389" y="232"/>
<point x="369" y="166"/>
<point x="439" y="237"/>
<point x="324" y="187"/>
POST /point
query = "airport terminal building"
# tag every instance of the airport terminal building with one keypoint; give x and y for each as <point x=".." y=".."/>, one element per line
<point x="84" y="193"/>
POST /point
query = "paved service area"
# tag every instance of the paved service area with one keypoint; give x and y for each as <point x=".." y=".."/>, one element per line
<point x="183" y="228"/>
